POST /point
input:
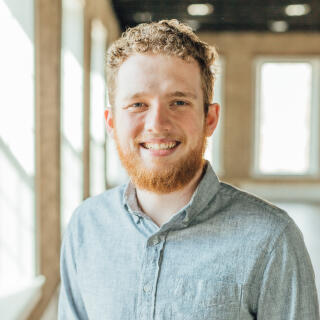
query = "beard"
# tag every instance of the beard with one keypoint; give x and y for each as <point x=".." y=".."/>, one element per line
<point x="168" y="177"/>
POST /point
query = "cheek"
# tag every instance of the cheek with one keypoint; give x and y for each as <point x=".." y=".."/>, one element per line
<point x="127" y="127"/>
<point x="193" y="127"/>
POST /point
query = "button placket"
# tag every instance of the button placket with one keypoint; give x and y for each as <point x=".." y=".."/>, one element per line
<point x="149" y="278"/>
<point x="147" y="288"/>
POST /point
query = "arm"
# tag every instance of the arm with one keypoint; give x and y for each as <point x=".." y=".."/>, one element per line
<point x="71" y="305"/>
<point x="288" y="290"/>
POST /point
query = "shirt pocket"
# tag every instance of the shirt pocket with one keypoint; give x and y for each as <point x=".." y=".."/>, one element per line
<point x="206" y="299"/>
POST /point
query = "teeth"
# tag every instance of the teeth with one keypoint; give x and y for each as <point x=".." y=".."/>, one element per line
<point x="160" y="146"/>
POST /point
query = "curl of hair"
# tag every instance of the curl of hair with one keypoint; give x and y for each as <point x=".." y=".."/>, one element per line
<point x="169" y="37"/>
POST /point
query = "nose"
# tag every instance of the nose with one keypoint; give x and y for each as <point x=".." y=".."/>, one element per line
<point x="158" y="118"/>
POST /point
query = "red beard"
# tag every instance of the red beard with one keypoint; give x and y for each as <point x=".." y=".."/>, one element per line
<point x="170" y="178"/>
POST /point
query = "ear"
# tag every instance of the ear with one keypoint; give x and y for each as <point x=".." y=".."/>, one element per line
<point x="212" y="118"/>
<point x="109" y="121"/>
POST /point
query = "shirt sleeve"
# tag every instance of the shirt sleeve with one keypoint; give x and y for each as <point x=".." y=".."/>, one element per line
<point x="71" y="305"/>
<point x="288" y="290"/>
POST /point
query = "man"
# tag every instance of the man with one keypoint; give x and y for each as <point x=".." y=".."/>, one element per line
<point x="175" y="243"/>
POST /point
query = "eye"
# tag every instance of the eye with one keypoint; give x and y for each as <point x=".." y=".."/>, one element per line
<point x="138" y="105"/>
<point x="180" y="103"/>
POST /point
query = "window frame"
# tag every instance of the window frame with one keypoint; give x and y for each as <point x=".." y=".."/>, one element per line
<point x="314" y="166"/>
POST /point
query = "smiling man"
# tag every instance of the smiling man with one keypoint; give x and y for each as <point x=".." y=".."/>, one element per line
<point x="175" y="242"/>
<point x="160" y="127"/>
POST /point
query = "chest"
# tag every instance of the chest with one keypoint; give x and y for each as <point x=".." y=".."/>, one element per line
<point x="180" y="276"/>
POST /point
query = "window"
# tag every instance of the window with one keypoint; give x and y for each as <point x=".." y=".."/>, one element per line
<point x="214" y="149"/>
<point x="71" y="108"/>
<point x="97" y="104"/>
<point x="115" y="172"/>
<point x="287" y="117"/>
<point x="17" y="145"/>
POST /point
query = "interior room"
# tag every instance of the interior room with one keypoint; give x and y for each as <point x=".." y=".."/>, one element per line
<point x="55" y="151"/>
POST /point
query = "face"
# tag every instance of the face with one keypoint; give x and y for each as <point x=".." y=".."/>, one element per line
<point x="158" y="121"/>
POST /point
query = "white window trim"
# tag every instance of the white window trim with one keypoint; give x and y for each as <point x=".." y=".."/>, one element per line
<point x="314" y="170"/>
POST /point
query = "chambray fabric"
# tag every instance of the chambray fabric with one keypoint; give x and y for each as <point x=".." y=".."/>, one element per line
<point x="226" y="255"/>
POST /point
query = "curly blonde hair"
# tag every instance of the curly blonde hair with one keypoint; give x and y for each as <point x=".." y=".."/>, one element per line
<point x="169" y="37"/>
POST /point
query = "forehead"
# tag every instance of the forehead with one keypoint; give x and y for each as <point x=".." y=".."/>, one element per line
<point x="157" y="74"/>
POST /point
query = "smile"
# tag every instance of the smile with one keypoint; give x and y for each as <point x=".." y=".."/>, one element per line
<point x="160" y="146"/>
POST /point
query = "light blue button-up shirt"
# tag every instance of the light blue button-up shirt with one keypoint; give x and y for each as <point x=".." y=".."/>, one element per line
<point x="226" y="255"/>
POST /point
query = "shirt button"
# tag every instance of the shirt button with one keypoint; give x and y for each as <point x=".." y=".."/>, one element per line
<point x="146" y="288"/>
<point x="136" y="218"/>
<point x="155" y="241"/>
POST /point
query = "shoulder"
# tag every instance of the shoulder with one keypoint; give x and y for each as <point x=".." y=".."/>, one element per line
<point x="254" y="217"/>
<point x="102" y="201"/>
<point x="105" y="198"/>
<point x="246" y="204"/>
<point x="95" y="211"/>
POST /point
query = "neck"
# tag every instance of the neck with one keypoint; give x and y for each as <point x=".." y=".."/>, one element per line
<point x="161" y="207"/>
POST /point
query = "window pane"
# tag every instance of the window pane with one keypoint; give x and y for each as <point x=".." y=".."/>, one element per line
<point x="71" y="108"/>
<point x="214" y="148"/>
<point x="285" y="118"/>
<point x="116" y="174"/>
<point x="17" y="144"/>
<point x="97" y="105"/>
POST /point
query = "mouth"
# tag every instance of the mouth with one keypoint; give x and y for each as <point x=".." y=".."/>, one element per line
<point x="161" y="148"/>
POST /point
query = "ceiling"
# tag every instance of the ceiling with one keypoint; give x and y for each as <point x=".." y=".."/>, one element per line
<point x="226" y="15"/>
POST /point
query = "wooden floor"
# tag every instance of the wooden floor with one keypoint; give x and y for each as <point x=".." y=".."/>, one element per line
<point x="307" y="217"/>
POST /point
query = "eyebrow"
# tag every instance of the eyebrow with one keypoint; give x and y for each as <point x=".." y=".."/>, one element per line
<point x="136" y="95"/>
<point x="169" y="95"/>
<point x="182" y="94"/>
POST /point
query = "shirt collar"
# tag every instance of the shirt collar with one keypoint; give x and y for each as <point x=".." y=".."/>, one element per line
<point x="206" y="190"/>
<point x="130" y="199"/>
